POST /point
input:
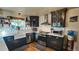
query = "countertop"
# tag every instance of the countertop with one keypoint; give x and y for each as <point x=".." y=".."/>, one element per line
<point x="52" y="34"/>
<point x="55" y="34"/>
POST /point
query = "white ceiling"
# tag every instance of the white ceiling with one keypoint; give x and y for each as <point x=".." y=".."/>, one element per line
<point x="31" y="10"/>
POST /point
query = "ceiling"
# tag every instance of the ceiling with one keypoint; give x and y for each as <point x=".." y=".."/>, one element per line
<point x="31" y="10"/>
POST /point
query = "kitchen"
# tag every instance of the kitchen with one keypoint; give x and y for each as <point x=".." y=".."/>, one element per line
<point x="46" y="29"/>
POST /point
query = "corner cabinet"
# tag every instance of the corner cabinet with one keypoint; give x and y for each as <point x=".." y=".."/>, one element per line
<point x="55" y="42"/>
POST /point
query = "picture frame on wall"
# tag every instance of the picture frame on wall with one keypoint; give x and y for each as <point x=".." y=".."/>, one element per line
<point x="74" y="19"/>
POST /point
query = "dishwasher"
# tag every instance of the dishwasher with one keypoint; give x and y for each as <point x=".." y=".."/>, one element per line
<point x="29" y="37"/>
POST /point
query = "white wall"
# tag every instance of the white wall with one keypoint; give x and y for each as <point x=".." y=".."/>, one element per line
<point x="73" y="25"/>
<point x="49" y="18"/>
<point x="4" y="13"/>
<point x="7" y="13"/>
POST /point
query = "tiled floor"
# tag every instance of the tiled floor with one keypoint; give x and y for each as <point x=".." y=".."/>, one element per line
<point x="32" y="47"/>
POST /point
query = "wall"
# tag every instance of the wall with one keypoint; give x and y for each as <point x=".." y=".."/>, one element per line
<point x="73" y="25"/>
<point x="4" y="13"/>
<point x="70" y="13"/>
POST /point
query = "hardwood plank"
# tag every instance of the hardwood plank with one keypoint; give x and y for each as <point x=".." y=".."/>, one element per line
<point x="32" y="47"/>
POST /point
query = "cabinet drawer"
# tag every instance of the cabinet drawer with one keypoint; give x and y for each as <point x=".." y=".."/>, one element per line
<point x="41" y="38"/>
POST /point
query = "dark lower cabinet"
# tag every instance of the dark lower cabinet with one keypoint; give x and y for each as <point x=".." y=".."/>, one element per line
<point x="55" y="42"/>
<point x="35" y="36"/>
<point x="14" y="44"/>
<point x="42" y="40"/>
<point x="50" y="41"/>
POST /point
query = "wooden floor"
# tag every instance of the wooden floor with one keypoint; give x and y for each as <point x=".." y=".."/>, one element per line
<point x="32" y="47"/>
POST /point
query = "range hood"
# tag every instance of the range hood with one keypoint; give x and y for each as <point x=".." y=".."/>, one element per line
<point x="46" y="20"/>
<point x="46" y="23"/>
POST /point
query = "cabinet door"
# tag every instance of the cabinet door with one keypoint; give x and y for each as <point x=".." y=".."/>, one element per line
<point x="42" y="40"/>
<point x="51" y="42"/>
<point x="34" y="21"/>
<point x="57" y="19"/>
<point x="34" y="36"/>
<point x="55" y="42"/>
<point x="8" y="40"/>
